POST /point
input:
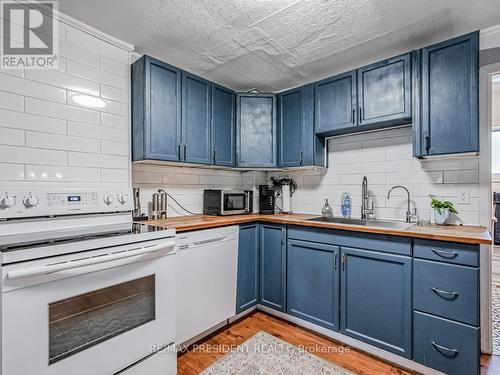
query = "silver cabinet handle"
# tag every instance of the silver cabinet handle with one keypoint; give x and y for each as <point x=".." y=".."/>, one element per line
<point x="445" y="254"/>
<point x="444" y="350"/>
<point x="343" y="262"/>
<point x="440" y="293"/>
<point x="335" y="256"/>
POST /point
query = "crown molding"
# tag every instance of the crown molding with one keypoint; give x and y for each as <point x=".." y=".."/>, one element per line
<point x="490" y="37"/>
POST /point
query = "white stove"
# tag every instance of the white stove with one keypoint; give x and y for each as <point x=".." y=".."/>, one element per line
<point x="84" y="290"/>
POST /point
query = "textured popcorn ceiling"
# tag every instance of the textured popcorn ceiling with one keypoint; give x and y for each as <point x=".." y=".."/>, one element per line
<point x="272" y="45"/>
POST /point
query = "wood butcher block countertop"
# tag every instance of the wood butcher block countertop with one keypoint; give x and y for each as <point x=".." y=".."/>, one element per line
<point x="453" y="233"/>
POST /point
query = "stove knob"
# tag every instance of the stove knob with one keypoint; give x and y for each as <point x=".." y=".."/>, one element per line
<point x="30" y="201"/>
<point x="123" y="198"/>
<point x="108" y="199"/>
<point x="7" y="202"/>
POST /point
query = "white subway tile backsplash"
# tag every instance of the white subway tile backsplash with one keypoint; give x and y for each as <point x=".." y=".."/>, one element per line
<point x="25" y="87"/>
<point x="115" y="175"/>
<point x="11" y="172"/>
<point x="113" y="93"/>
<point x="12" y="137"/>
<point x="24" y="155"/>
<point x="62" y="111"/>
<point x="97" y="75"/>
<point x="114" y="121"/>
<point x="115" y="148"/>
<point x="67" y="81"/>
<point x="95" y="45"/>
<point x="75" y="53"/>
<point x="31" y="122"/>
<point x="83" y="159"/>
<point x="115" y="67"/>
<point x="50" y="173"/>
<point x="461" y="177"/>
<point x="11" y="102"/>
<point x="61" y="142"/>
<point x="110" y="106"/>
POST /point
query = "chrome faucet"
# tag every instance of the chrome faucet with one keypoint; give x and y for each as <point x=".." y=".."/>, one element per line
<point x="365" y="211"/>
<point x="410" y="218"/>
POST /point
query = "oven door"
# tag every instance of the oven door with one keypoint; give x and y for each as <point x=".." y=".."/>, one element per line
<point x="235" y="202"/>
<point x="88" y="313"/>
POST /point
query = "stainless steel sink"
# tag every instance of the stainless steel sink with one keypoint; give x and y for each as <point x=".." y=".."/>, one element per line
<point x="367" y="223"/>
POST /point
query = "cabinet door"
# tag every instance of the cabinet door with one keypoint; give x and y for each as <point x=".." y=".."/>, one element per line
<point x="291" y="128"/>
<point x="313" y="282"/>
<point x="223" y="129"/>
<point x="196" y="113"/>
<point x="335" y="104"/>
<point x="384" y="92"/>
<point x="248" y="268"/>
<point x="273" y="266"/>
<point x="256" y="130"/>
<point x="156" y="110"/>
<point x="450" y="91"/>
<point x="375" y="299"/>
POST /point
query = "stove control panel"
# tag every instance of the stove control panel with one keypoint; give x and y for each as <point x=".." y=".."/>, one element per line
<point x="32" y="203"/>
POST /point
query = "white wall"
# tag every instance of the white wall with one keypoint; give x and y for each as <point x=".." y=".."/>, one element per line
<point x="186" y="184"/>
<point x="47" y="139"/>
<point x="385" y="158"/>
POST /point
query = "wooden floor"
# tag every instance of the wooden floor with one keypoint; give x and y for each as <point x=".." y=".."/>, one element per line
<point x="204" y="353"/>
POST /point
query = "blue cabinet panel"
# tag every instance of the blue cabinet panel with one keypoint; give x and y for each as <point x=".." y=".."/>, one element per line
<point x="313" y="282"/>
<point x="223" y="128"/>
<point x="248" y="268"/>
<point x="384" y="92"/>
<point x="444" y="345"/>
<point x="450" y="97"/>
<point x="298" y="144"/>
<point x="447" y="290"/>
<point x="256" y="130"/>
<point x="375" y="299"/>
<point x="156" y="110"/>
<point x="273" y="266"/>
<point x="196" y="115"/>
<point x="335" y="103"/>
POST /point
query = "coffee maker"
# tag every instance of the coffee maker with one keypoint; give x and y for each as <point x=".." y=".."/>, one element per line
<point x="266" y="200"/>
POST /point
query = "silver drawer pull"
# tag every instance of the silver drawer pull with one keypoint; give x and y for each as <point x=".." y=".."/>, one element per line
<point x="453" y="295"/>
<point x="444" y="350"/>
<point x="445" y="254"/>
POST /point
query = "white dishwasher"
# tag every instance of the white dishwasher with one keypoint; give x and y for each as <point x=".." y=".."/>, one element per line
<point x="206" y="280"/>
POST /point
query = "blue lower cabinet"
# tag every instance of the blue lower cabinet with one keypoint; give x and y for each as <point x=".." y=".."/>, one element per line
<point x="447" y="346"/>
<point x="247" y="294"/>
<point x="313" y="282"/>
<point x="273" y="266"/>
<point x="375" y="299"/>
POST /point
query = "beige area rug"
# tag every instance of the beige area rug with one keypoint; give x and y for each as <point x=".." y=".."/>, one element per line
<point x="264" y="354"/>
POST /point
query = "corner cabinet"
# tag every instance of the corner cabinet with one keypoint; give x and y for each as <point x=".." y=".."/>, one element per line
<point x="313" y="282"/>
<point x="247" y="294"/>
<point x="449" y="98"/>
<point x="256" y="130"/>
<point x="375" y="299"/>
<point x="156" y="110"/>
<point x="223" y="128"/>
<point x="196" y="119"/>
<point x="298" y="144"/>
<point x="273" y="266"/>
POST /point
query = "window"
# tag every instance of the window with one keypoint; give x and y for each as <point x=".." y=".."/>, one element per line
<point x="495" y="151"/>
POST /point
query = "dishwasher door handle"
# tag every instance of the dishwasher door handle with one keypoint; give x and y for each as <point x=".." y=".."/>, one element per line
<point x="210" y="240"/>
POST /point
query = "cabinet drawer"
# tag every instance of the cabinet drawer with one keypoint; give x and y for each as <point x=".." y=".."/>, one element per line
<point x="449" y="252"/>
<point x="444" y="345"/>
<point x="447" y="290"/>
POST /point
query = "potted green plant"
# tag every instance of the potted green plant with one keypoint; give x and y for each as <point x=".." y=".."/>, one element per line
<point x="287" y="186"/>
<point x="442" y="210"/>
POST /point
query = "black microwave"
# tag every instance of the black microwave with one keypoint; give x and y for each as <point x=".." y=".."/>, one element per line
<point x="227" y="202"/>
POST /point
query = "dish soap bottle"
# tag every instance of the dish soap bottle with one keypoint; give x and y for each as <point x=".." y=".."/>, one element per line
<point x="327" y="210"/>
<point x="346" y="205"/>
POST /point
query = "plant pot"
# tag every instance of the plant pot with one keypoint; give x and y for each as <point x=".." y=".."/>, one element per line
<point x="441" y="218"/>
<point x="285" y="193"/>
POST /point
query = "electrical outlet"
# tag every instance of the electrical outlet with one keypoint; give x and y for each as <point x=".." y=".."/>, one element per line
<point x="464" y="197"/>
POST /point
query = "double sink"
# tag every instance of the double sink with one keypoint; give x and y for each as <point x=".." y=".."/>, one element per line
<point x="400" y="225"/>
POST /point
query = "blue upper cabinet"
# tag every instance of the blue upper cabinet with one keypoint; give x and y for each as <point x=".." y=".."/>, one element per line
<point x="156" y="110"/>
<point x="273" y="266"/>
<point x="375" y="299"/>
<point x="384" y="92"/>
<point x="247" y="294"/>
<point x="449" y="97"/>
<point x="298" y="145"/>
<point x="223" y="129"/>
<point x="335" y="104"/>
<point x="256" y="130"/>
<point x="196" y="119"/>
<point x="313" y="282"/>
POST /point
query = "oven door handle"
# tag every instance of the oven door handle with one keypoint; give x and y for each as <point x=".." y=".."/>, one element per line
<point x="131" y="256"/>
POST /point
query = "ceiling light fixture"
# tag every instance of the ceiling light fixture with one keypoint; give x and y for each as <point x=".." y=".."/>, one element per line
<point x="89" y="101"/>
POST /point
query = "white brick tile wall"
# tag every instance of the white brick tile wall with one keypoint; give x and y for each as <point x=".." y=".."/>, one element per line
<point x="47" y="139"/>
<point x="385" y="157"/>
